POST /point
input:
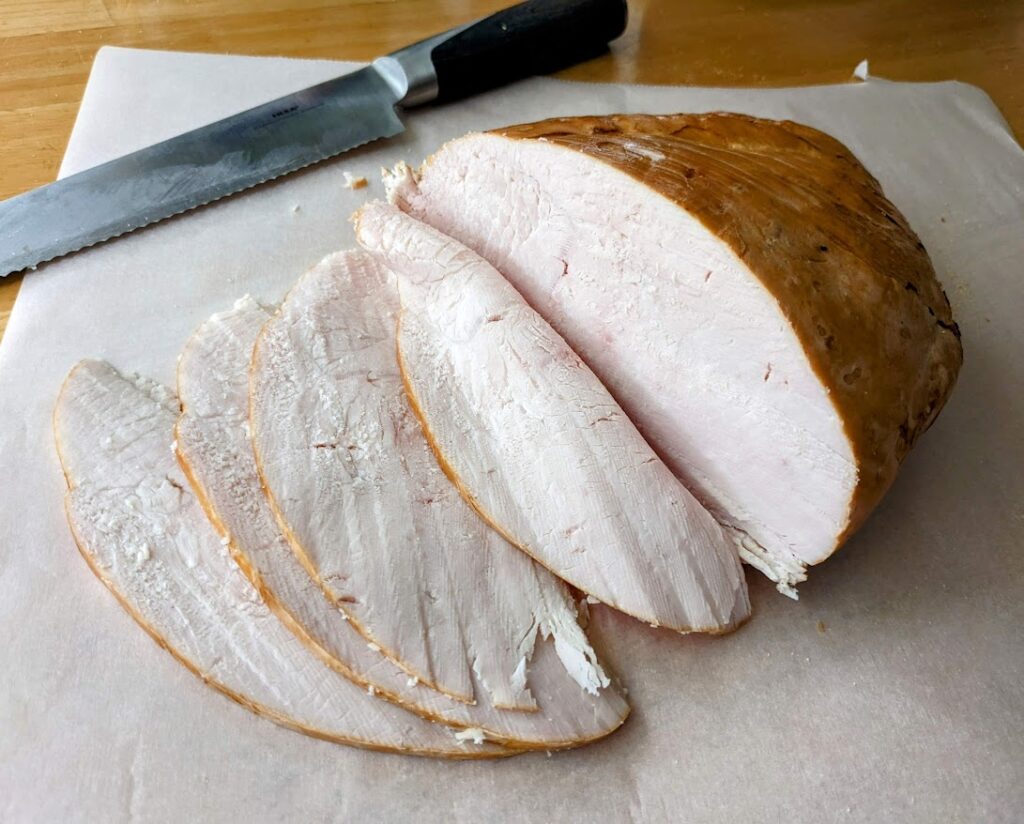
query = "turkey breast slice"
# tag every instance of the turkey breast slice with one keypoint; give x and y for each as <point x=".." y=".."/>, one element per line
<point x="357" y="491"/>
<point x="214" y="448"/>
<point x="538" y="445"/>
<point x="743" y="288"/>
<point x="145" y="536"/>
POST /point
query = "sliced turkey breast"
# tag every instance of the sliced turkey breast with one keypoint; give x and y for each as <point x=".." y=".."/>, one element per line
<point x="742" y="286"/>
<point x="214" y="448"/>
<point x="354" y="485"/>
<point x="539" y="447"/>
<point x="145" y="536"/>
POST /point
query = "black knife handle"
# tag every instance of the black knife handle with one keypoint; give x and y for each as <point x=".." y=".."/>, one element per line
<point x="536" y="37"/>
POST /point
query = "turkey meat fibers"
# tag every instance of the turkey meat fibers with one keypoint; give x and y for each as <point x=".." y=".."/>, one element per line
<point x="537" y="444"/>
<point x="356" y="490"/>
<point x="145" y="536"/>
<point x="212" y="438"/>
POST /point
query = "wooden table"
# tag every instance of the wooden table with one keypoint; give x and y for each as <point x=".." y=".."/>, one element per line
<point x="47" y="47"/>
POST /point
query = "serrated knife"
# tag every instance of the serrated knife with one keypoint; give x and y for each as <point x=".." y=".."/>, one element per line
<point x="299" y="129"/>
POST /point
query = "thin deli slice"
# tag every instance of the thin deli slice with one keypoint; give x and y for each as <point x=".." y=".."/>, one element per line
<point x="371" y="516"/>
<point x="145" y="536"/>
<point x="539" y="446"/>
<point x="743" y="288"/>
<point x="212" y="438"/>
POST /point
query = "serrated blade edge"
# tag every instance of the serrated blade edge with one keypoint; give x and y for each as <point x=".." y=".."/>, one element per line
<point x="196" y="168"/>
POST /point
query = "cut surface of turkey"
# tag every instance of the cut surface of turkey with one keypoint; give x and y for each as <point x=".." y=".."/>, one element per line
<point x="539" y="446"/>
<point x="145" y="536"/>
<point x="744" y="289"/>
<point x="372" y="517"/>
<point x="212" y="438"/>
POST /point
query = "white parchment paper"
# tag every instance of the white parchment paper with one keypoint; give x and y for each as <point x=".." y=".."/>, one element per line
<point x="891" y="692"/>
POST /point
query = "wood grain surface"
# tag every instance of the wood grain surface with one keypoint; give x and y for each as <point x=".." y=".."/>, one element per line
<point x="47" y="47"/>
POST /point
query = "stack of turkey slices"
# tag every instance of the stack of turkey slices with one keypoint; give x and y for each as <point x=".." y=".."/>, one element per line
<point x="621" y="352"/>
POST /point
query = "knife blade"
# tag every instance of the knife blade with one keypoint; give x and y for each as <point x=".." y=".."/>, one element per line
<point x="299" y="129"/>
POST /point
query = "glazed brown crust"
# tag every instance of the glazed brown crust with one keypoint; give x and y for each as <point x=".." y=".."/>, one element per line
<point x="812" y="224"/>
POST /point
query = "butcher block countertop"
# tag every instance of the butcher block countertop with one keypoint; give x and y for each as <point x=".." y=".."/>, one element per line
<point x="47" y="48"/>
